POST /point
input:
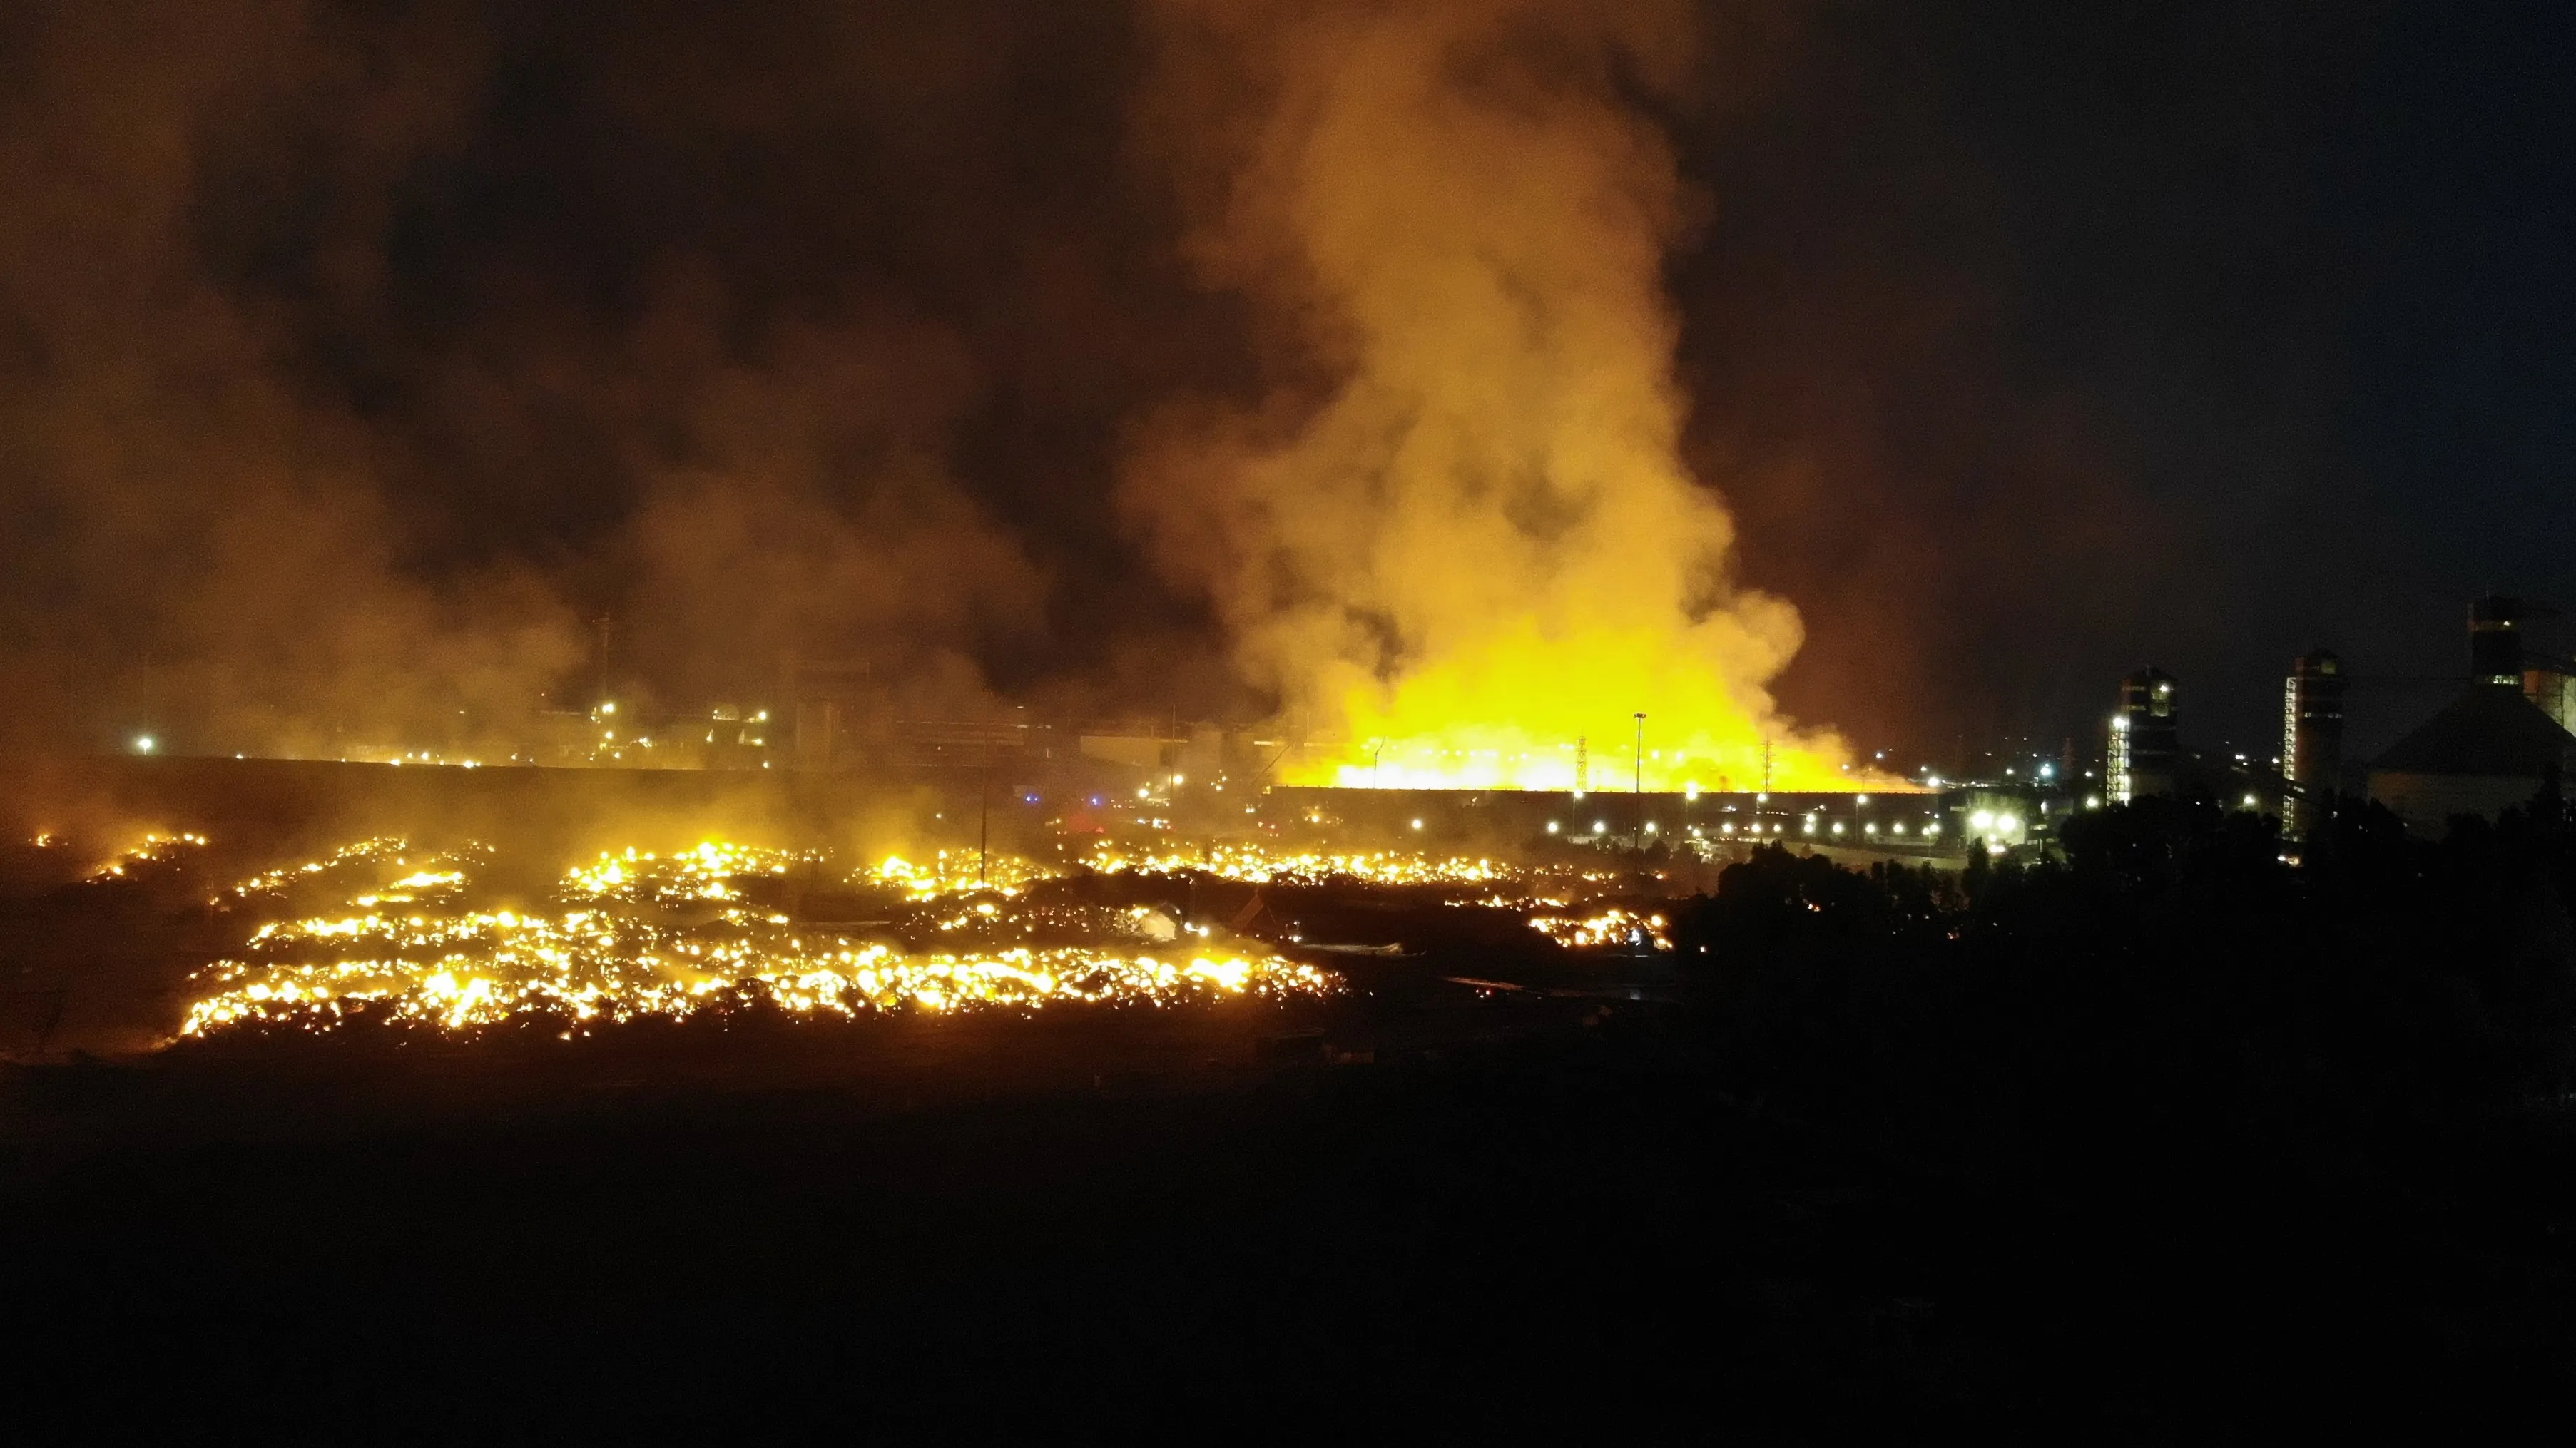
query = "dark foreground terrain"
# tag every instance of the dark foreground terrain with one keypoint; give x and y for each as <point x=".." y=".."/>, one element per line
<point x="2166" y="1141"/>
<point x="1572" y="1224"/>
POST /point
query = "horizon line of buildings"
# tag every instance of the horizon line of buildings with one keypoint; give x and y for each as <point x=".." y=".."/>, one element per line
<point x="2501" y="740"/>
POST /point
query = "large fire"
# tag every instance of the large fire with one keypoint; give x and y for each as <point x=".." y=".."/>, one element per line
<point x="411" y="936"/>
<point x="1562" y="743"/>
<point x="381" y="930"/>
<point x="1473" y="550"/>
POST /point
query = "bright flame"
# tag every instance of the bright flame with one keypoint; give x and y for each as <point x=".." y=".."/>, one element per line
<point x="1475" y="547"/>
<point x="635" y="934"/>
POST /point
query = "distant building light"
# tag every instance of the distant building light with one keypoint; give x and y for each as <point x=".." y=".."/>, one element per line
<point x="144" y="743"/>
<point x="1417" y="824"/>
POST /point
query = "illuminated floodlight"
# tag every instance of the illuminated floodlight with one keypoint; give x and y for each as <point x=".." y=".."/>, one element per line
<point x="2007" y="823"/>
<point x="2249" y="801"/>
<point x="608" y="708"/>
<point x="1982" y="819"/>
<point x="1144" y="794"/>
<point x="1690" y="791"/>
<point x="1860" y="799"/>
<point x="1601" y="827"/>
<point x="144" y="743"/>
<point x="1838" y="827"/>
<point x="2048" y="771"/>
<point x="1551" y="827"/>
<point x="1726" y="829"/>
<point x="1417" y="824"/>
<point x="1650" y="827"/>
<point x="1872" y="828"/>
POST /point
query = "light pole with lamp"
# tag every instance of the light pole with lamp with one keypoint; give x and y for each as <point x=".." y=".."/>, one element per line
<point x="1638" y="786"/>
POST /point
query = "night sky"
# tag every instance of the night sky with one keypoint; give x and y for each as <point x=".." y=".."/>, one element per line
<point x="352" y="355"/>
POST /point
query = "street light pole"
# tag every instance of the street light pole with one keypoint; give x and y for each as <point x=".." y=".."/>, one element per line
<point x="1638" y="787"/>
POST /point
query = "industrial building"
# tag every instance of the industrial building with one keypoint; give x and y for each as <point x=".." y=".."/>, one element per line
<point x="2145" y="749"/>
<point x="2311" y="741"/>
<point x="2498" y="744"/>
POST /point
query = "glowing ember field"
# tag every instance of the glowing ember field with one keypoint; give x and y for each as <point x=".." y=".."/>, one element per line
<point x="1264" y="865"/>
<point x="379" y="930"/>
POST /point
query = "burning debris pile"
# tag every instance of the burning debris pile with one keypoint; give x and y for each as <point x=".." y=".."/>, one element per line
<point x="1261" y="865"/>
<point x="152" y="849"/>
<point x="1576" y="907"/>
<point x="465" y="937"/>
<point x="377" y="930"/>
<point x="1610" y="925"/>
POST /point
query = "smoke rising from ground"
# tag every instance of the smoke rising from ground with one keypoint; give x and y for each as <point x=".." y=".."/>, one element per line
<point x="1465" y="529"/>
<point x="355" y="354"/>
<point x="192" y="537"/>
<point x="335" y="407"/>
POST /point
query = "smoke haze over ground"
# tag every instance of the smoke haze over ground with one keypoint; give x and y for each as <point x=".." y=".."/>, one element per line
<point x="354" y="357"/>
